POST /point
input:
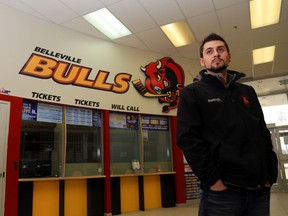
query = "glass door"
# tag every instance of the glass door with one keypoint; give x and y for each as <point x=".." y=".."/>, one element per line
<point x="4" y="122"/>
<point x="282" y="135"/>
<point x="279" y="137"/>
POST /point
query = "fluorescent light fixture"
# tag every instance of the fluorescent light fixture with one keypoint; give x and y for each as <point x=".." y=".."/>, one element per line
<point x="178" y="33"/>
<point x="263" y="55"/>
<point x="108" y="24"/>
<point x="264" y="12"/>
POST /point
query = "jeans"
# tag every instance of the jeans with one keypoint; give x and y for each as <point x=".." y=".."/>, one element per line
<point x="235" y="202"/>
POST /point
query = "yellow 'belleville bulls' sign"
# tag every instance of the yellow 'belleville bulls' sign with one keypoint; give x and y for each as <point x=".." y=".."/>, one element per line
<point x="164" y="78"/>
<point x="71" y="74"/>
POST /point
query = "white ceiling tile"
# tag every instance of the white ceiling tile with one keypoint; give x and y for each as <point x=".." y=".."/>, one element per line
<point x="195" y="7"/>
<point x="280" y="60"/>
<point x="109" y="2"/>
<point x="81" y="25"/>
<point x="133" y="15"/>
<point x="190" y="51"/>
<point x="211" y="25"/>
<point x="170" y="13"/>
<point x="224" y="3"/>
<point x="131" y="41"/>
<point x="280" y="67"/>
<point x="283" y="13"/>
<point x="263" y="69"/>
<point x="54" y="10"/>
<point x="19" y="5"/>
<point x="234" y="18"/>
<point x="155" y="39"/>
<point x="282" y="33"/>
<point x="83" y="7"/>
<point x="268" y="35"/>
<point x="239" y="41"/>
<point x="247" y="70"/>
<point x="281" y="52"/>
<point x="241" y="59"/>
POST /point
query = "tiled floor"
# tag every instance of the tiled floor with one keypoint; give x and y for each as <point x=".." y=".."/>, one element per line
<point x="279" y="207"/>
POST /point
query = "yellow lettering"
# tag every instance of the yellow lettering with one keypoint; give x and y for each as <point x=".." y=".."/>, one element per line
<point x="62" y="77"/>
<point x="39" y="66"/>
<point x="122" y="83"/>
<point x="67" y="73"/>
<point x="82" y="79"/>
<point x="100" y="81"/>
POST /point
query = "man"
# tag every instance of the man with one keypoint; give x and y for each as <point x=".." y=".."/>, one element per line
<point x="224" y="137"/>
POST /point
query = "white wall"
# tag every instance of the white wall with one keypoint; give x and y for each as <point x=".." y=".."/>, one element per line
<point x="22" y="33"/>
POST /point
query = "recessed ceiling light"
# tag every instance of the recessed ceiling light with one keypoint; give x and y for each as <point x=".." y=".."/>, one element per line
<point x="263" y="55"/>
<point x="264" y="12"/>
<point x="107" y="23"/>
<point x="179" y="33"/>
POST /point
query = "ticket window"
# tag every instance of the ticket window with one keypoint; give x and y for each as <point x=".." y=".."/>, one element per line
<point x="44" y="136"/>
<point x="41" y="140"/>
<point x="125" y="150"/>
<point x="157" y="144"/>
<point x="84" y="142"/>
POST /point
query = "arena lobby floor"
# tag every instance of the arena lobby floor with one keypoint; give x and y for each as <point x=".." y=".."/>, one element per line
<point x="279" y="207"/>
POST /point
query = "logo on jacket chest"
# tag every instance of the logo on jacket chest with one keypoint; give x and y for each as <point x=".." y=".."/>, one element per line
<point x="245" y="100"/>
<point x="213" y="100"/>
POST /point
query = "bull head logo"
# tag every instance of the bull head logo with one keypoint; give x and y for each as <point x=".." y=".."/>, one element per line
<point x="164" y="80"/>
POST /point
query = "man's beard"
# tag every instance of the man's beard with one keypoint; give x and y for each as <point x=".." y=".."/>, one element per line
<point x="218" y="69"/>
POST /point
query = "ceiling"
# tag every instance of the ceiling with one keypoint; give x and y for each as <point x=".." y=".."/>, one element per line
<point x="143" y="18"/>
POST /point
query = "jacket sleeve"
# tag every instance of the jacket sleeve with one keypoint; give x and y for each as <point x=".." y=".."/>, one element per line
<point x="272" y="161"/>
<point x="190" y="139"/>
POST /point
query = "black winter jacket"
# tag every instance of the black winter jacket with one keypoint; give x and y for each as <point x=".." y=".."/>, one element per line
<point x="223" y="133"/>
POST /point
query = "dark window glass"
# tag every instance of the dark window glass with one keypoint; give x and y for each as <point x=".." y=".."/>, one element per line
<point x="124" y="142"/>
<point x="157" y="144"/>
<point x="41" y="140"/>
<point x="84" y="142"/>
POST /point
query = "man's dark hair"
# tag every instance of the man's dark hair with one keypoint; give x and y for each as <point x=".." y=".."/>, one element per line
<point x="212" y="37"/>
